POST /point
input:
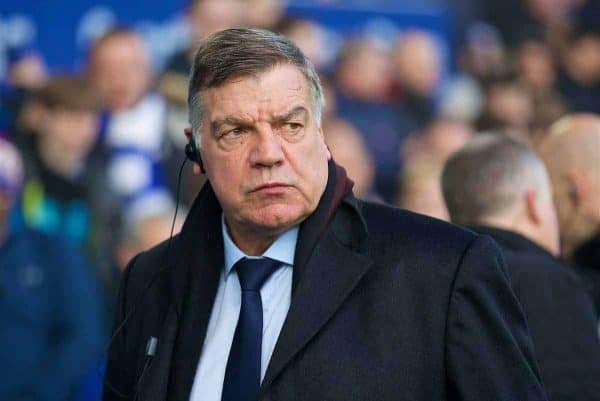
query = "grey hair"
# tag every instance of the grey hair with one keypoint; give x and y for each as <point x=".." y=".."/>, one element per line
<point x="245" y="52"/>
<point x="489" y="176"/>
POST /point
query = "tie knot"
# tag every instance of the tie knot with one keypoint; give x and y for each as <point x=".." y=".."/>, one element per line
<point x="253" y="273"/>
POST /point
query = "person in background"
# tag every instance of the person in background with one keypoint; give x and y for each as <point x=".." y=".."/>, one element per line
<point x="424" y="154"/>
<point x="147" y="221"/>
<point x="347" y="146"/>
<point x="579" y="81"/>
<point x="363" y="80"/>
<point x="53" y="327"/>
<point x="418" y="68"/>
<point x="311" y="38"/>
<point x="508" y="106"/>
<point x="420" y="190"/>
<point x="571" y="152"/>
<point x="500" y="188"/>
<point x="26" y="72"/>
<point x="265" y="14"/>
<point x="133" y="133"/>
<point x="66" y="191"/>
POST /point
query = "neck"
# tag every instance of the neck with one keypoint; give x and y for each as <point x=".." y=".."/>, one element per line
<point x="524" y="229"/>
<point x="251" y="242"/>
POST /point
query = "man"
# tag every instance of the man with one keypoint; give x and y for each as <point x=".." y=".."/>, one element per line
<point x="363" y="302"/>
<point x="52" y="323"/>
<point x="348" y="147"/>
<point x="424" y="154"/>
<point x="119" y="67"/>
<point x="571" y="152"/>
<point x="500" y="187"/>
<point x="65" y="192"/>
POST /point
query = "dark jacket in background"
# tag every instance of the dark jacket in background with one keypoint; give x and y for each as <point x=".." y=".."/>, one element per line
<point x="52" y="328"/>
<point x="388" y="305"/>
<point x="560" y="315"/>
<point x="587" y="264"/>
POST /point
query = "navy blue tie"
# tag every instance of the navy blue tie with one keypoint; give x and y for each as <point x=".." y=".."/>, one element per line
<point x="242" y="376"/>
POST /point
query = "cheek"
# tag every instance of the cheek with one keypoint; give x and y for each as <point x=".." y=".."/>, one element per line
<point x="226" y="175"/>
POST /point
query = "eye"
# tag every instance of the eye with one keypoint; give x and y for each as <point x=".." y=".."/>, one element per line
<point x="233" y="132"/>
<point x="291" y="126"/>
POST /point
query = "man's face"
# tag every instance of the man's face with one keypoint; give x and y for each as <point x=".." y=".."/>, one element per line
<point x="120" y="70"/>
<point x="263" y="151"/>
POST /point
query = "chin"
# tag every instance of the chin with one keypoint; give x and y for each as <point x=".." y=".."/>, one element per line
<point x="278" y="217"/>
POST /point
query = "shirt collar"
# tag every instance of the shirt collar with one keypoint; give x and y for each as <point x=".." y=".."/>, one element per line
<point x="282" y="250"/>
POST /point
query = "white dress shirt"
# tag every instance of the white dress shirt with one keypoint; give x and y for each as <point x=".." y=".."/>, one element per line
<point x="276" y="296"/>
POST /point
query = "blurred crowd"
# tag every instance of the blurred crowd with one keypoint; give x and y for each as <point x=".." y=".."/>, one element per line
<point x="89" y="163"/>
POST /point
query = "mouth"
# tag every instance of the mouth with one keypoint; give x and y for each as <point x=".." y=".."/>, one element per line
<point x="271" y="187"/>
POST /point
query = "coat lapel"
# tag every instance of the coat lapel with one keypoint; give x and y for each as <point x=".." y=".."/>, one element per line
<point x="331" y="273"/>
<point x="195" y="286"/>
<point x="153" y="386"/>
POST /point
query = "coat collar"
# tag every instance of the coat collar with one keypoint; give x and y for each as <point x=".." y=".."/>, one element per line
<point x="329" y="262"/>
<point x="511" y="241"/>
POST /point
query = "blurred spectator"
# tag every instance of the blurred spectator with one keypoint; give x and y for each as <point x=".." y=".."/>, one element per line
<point x="437" y="141"/>
<point x="501" y="188"/>
<point x="264" y="14"/>
<point x="119" y="67"/>
<point x="461" y="99"/>
<point x="53" y="329"/>
<point x="26" y="72"/>
<point x="570" y="151"/>
<point x="519" y="19"/>
<point x="348" y="149"/>
<point x="424" y="154"/>
<point x="420" y="190"/>
<point x="204" y="17"/>
<point x="363" y="79"/>
<point x="418" y="68"/>
<point x="580" y="80"/>
<point x="147" y="221"/>
<point x="536" y="66"/>
<point x="537" y="71"/>
<point x="483" y="54"/>
<point x="311" y="38"/>
<point x="66" y="191"/>
<point x="508" y="106"/>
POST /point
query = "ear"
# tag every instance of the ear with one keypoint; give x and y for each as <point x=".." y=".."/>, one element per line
<point x="197" y="167"/>
<point x="324" y="143"/>
<point x="532" y="207"/>
<point x="188" y="133"/>
<point x="579" y="187"/>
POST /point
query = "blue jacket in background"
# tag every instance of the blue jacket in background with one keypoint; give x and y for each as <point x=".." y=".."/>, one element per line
<point x="52" y="328"/>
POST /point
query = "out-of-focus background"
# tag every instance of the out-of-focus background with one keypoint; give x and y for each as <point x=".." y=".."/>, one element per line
<point x="93" y="107"/>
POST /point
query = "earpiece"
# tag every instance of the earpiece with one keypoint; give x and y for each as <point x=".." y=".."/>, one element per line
<point x="192" y="153"/>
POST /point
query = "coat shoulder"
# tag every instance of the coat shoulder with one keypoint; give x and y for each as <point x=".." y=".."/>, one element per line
<point x="150" y="266"/>
<point x="426" y="236"/>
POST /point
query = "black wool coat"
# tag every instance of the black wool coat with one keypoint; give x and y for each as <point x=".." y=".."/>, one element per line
<point x="560" y="314"/>
<point x="386" y="305"/>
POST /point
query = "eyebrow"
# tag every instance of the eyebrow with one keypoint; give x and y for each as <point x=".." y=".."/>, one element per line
<point x="214" y="126"/>
<point x="296" y="111"/>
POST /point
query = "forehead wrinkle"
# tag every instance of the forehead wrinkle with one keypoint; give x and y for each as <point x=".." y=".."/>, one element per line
<point x="262" y="94"/>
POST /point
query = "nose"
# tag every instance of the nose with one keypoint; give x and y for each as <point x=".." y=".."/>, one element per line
<point x="267" y="149"/>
